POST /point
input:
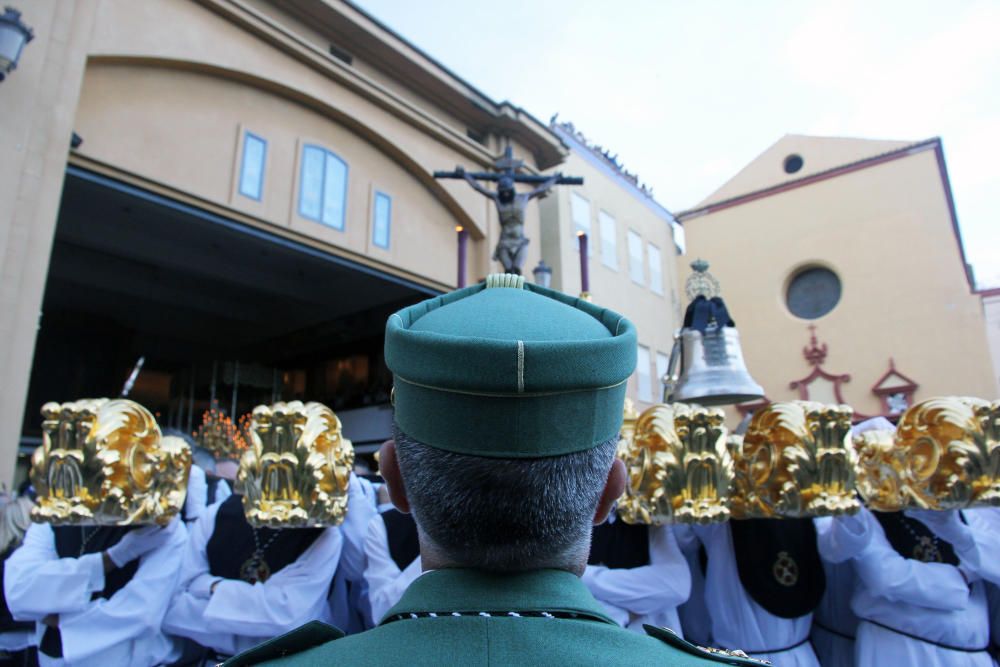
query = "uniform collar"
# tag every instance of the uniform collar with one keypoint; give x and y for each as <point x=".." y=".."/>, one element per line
<point x="472" y="591"/>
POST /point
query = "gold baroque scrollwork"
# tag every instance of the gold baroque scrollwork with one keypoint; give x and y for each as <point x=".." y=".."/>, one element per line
<point x="104" y="462"/>
<point x="297" y="469"/>
<point x="795" y="460"/>
<point x="945" y="455"/>
<point x="679" y="469"/>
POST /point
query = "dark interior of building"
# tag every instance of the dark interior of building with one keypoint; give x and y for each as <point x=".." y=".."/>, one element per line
<point x="214" y="308"/>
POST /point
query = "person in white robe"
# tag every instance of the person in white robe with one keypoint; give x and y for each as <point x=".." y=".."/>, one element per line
<point x="914" y="611"/>
<point x="80" y="621"/>
<point x="386" y="580"/>
<point x="647" y="594"/>
<point x="835" y="626"/>
<point x="926" y="606"/>
<point x="737" y="621"/>
<point x="230" y="614"/>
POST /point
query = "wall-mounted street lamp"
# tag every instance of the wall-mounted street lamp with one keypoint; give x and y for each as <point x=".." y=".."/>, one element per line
<point x="13" y="36"/>
<point x="543" y="274"/>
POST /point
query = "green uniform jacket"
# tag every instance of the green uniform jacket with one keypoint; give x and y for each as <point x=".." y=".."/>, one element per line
<point x="468" y="617"/>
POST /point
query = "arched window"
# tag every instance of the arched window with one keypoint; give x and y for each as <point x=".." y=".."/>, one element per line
<point x="323" y="187"/>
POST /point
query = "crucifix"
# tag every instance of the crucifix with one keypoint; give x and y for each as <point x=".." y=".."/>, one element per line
<point x="512" y="245"/>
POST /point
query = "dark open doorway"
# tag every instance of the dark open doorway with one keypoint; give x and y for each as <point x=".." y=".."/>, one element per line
<point x="214" y="306"/>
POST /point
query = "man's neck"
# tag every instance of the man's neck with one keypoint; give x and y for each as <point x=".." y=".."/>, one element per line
<point x="434" y="558"/>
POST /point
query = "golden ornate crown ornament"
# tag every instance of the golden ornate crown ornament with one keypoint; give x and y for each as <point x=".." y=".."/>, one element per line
<point x="796" y="460"/>
<point x="104" y="462"/>
<point x="679" y="470"/>
<point x="945" y="454"/>
<point x="297" y="468"/>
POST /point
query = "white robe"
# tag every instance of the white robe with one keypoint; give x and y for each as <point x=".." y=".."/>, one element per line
<point x="929" y="600"/>
<point x="196" y="499"/>
<point x="239" y="615"/>
<point x="738" y="622"/>
<point x="386" y="582"/>
<point x="122" y="630"/>
<point x="649" y="594"/>
<point x="834" y="624"/>
<point x="348" y="610"/>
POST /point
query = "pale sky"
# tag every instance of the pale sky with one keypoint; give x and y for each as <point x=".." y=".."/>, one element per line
<point x="687" y="93"/>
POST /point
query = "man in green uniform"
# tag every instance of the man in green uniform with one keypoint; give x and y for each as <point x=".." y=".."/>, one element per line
<point x="508" y="402"/>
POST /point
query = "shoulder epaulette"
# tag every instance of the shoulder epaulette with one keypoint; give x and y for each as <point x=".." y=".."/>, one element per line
<point x="302" y="638"/>
<point x="739" y="658"/>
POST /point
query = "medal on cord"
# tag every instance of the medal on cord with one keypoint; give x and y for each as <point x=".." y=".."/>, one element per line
<point x="255" y="568"/>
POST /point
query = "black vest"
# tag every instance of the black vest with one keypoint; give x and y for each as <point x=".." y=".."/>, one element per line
<point x="213" y="481"/>
<point x="779" y="565"/>
<point x="401" y="531"/>
<point x="69" y="540"/>
<point x="232" y="542"/>
<point x="619" y="545"/>
<point x="895" y="525"/>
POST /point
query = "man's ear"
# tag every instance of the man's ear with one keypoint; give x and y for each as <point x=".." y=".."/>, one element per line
<point x="613" y="490"/>
<point x="388" y="466"/>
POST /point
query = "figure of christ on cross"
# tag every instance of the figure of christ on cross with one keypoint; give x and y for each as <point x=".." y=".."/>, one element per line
<point x="512" y="246"/>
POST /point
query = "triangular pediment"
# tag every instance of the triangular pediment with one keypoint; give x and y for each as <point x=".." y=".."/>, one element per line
<point x="892" y="380"/>
<point x="818" y="154"/>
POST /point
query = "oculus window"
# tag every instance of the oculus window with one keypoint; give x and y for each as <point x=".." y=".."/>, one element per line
<point x="381" y="220"/>
<point x="323" y="187"/>
<point x="813" y="292"/>
<point x="252" y="166"/>
<point x="793" y="163"/>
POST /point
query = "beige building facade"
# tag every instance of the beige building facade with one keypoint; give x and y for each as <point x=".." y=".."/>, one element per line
<point x="991" y="310"/>
<point x="232" y="195"/>
<point x="633" y="243"/>
<point x="842" y="265"/>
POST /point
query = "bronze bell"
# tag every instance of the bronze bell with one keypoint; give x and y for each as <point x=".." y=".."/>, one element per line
<point x="707" y="349"/>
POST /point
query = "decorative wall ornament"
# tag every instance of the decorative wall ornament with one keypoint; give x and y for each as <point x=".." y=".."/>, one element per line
<point x="945" y="455"/>
<point x="894" y="390"/>
<point x="795" y="460"/>
<point x="678" y="466"/>
<point x="104" y="462"/>
<point x="819" y="385"/>
<point x="297" y="469"/>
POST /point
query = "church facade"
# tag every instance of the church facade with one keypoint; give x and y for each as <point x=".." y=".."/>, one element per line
<point x="844" y="271"/>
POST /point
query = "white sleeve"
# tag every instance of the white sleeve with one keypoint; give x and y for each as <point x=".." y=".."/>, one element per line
<point x="663" y="584"/>
<point x="386" y="582"/>
<point x="134" y="611"/>
<point x="844" y="537"/>
<point x="197" y="494"/>
<point x="37" y="582"/>
<point x="981" y="558"/>
<point x="887" y="574"/>
<point x="360" y="510"/>
<point x="283" y="602"/>
<point x="264" y="609"/>
<point x="222" y="490"/>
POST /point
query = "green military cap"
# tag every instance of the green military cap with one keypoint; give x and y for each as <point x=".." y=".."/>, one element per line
<point x="509" y="369"/>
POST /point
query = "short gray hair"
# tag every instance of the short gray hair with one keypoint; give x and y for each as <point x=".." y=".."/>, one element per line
<point x="505" y="514"/>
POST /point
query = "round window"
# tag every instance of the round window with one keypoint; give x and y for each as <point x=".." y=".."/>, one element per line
<point x="793" y="163"/>
<point x="813" y="292"/>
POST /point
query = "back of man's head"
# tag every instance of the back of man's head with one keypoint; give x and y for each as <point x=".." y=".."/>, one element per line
<point x="505" y="514"/>
<point x="508" y="402"/>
